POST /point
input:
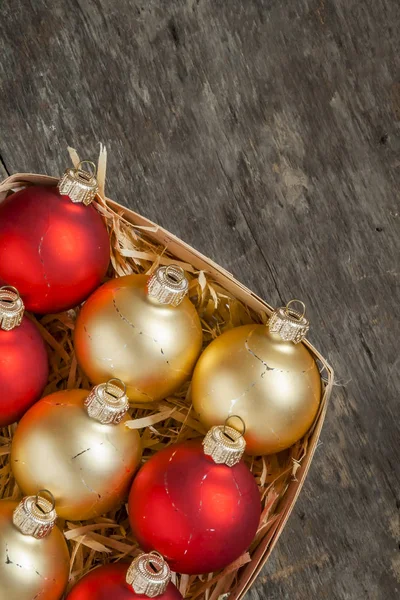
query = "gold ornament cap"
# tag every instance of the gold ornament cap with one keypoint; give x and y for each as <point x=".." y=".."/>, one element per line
<point x="225" y="444"/>
<point x="149" y="574"/>
<point x="290" y="324"/>
<point x="168" y="285"/>
<point x="79" y="184"/>
<point x="108" y="402"/>
<point x="11" y="308"/>
<point x="35" y="516"/>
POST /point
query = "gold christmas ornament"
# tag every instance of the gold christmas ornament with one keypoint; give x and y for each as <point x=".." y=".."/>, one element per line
<point x="142" y="330"/>
<point x="35" y="558"/>
<point x="76" y="443"/>
<point x="266" y="376"/>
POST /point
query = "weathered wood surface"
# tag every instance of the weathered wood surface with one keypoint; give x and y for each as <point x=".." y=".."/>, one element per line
<point x="266" y="134"/>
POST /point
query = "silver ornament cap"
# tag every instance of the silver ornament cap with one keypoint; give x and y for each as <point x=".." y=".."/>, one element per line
<point x="149" y="574"/>
<point x="11" y="308"/>
<point x="35" y="516"/>
<point x="79" y="184"/>
<point x="168" y="285"/>
<point x="225" y="444"/>
<point x="290" y="324"/>
<point x="108" y="402"/>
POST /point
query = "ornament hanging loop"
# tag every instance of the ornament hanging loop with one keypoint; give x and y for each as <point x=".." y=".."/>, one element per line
<point x="35" y="516"/>
<point x="175" y="273"/>
<point x="155" y="553"/>
<point x="85" y="172"/>
<point x="149" y="574"/>
<point x="156" y="565"/>
<point x="110" y="388"/>
<point x="168" y="285"/>
<point x="224" y="444"/>
<point x="289" y="324"/>
<point x="11" y="308"/>
<point x="234" y="417"/>
<point x="49" y="507"/>
<point x="295" y="313"/>
<point x="80" y="185"/>
<point x="107" y="402"/>
<point x="10" y="288"/>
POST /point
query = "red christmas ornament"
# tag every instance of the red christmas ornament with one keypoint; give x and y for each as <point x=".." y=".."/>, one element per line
<point x="23" y="359"/>
<point x="53" y="247"/>
<point x="199" y="508"/>
<point x="149" y="575"/>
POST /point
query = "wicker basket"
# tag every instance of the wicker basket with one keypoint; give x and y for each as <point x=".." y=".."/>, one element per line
<point x="238" y="581"/>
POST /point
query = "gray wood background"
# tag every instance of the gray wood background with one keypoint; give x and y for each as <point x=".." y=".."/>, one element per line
<point x="266" y="133"/>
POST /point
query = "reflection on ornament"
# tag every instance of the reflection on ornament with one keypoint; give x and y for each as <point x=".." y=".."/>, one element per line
<point x="35" y="561"/>
<point x="76" y="444"/>
<point x="197" y="504"/>
<point x="23" y="359"/>
<point x="266" y="376"/>
<point x="142" y="330"/>
<point x="148" y="576"/>
<point x="53" y="247"/>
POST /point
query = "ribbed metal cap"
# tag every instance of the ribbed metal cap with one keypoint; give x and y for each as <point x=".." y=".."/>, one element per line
<point x="79" y="184"/>
<point x="35" y="516"/>
<point x="108" y="402"/>
<point x="168" y="285"/>
<point x="224" y="444"/>
<point x="291" y="325"/>
<point x="11" y="308"/>
<point x="149" y="574"/>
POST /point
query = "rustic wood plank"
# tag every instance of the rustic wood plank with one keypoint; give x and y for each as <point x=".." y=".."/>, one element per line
<point x="266" y="134"/>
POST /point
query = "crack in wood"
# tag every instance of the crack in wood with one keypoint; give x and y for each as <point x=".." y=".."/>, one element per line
<point x="3" y="165"/>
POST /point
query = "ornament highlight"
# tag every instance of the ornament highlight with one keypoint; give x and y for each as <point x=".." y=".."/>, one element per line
<point x="148" y="576"/>
<point x="200" y="507"/>
<point x="265" y="375"/>
<point x="54" y="247"/>
<point x="36" y="558"/>
<point x="143" y="330"/>
<point x="75" y="443"/>
<point x="24" y="366"/>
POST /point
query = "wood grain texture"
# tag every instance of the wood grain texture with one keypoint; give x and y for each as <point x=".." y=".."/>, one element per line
<point x="267" y="135"/>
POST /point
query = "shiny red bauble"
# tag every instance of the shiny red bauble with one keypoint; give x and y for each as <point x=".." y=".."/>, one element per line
<point x="199" y="515"/>
<point x="108" y="583"/>
<point x="23" y="370"/>
<point x="54" y="251"/>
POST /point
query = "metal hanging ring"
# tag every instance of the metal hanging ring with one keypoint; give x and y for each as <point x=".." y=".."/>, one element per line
<point x="158" y="555"/>
<point x="93" y="172"/>
<point x="11" y="288"/>
<point x="296" y="314"/>
<point x="234" y="417"/>
<point x="53" y="501"/>
<point x="121" y="384"/>
<point x="175" y="272"/>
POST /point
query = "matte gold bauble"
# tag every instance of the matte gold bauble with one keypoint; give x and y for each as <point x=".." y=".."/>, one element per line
<point x="62" y="445"/>
<point x="143" y="331"/>
<point x="272" y="383"/>
<point x="30" y="567"/>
